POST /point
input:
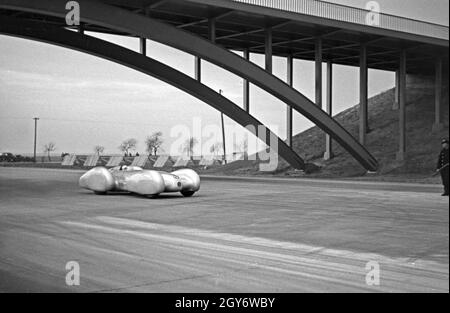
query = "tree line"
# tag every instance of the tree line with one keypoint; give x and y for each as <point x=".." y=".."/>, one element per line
<point x="153" y="145"/>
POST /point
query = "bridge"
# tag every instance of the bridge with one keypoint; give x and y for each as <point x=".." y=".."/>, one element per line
<point x="295" y="29"/>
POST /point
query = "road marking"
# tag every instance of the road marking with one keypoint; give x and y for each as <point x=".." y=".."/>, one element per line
<point x="267" y="243"/>
<point x="317" y="263"/>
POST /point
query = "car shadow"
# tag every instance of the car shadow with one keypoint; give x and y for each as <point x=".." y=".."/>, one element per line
<point x="164" y="196"/>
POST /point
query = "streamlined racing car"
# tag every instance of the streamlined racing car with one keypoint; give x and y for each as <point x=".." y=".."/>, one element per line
<point x="134" y="179"/>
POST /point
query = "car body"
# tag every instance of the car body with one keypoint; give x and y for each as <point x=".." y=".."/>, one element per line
<point x="139" y="181"/>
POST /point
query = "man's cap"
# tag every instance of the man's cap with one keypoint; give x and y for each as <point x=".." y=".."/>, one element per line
<point x="444" y="141"/>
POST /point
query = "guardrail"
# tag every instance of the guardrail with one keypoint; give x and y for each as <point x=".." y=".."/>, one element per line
<point x="353" y="15"/>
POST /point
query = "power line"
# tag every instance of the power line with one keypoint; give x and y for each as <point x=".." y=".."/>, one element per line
<point x="86" y="121"/>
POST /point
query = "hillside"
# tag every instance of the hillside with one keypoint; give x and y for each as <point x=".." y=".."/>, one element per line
<point x="423" y="145"/>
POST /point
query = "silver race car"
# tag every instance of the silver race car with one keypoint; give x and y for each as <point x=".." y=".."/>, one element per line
<point x="143" y="182"/>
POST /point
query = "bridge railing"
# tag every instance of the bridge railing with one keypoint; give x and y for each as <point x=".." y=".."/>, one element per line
<point x="353" y="15"/>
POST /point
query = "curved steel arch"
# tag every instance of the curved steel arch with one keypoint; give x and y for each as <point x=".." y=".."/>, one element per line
<point x="57" y="36"/>
<point x="121" y="20"/>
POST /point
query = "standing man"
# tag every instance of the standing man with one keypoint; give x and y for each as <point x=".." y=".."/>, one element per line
<point x="443" y="166"/>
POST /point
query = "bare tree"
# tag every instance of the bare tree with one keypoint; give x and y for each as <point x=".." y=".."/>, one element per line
<point x="127" y="145"/>
<point x="244" y="145"/>
<point x="241" y="148"/>
<point x="99" y="149"/>
<point x="153" y="143"/>
<point x="216" y="149"/>
<point x="48" y="148"/>
<point x="189" y="145"/>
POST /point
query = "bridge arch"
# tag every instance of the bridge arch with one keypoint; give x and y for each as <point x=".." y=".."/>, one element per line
<point x="57" y="36"/>
<point x="121" y="20"/>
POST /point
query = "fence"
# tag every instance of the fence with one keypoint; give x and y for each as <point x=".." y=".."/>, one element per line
<point x="348" y="14"/>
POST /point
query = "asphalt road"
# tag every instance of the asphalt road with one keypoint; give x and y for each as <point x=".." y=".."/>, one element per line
<point x="236" y="235"/>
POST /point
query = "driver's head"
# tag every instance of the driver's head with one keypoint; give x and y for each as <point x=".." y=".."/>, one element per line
<point x="445" y="143"/>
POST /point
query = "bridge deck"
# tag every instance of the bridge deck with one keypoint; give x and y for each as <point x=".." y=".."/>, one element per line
<point x="240" y="25"/>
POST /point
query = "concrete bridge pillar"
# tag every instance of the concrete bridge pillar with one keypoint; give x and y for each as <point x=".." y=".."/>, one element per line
<point x="396" y="90"/>
<point x="402" y="107"/>
<point x="198" y="69"/>
<point x="143" y="46"/>
<point x="318" y="61"/>
<point x="269" y="50"/>
<point x="198" y="60"/>
<point x="212" y="29"/>
<point x="329" y="109"/>
<point x="289" y="117"/>
<point x="247" y="85"/>
<point x="438" y="96"/>
<point x="363" y="96"/>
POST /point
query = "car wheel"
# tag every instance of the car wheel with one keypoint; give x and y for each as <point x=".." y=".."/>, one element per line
<point x="187" y="194"/>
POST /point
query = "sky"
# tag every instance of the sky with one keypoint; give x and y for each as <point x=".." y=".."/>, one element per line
<point x="83" y="101"/>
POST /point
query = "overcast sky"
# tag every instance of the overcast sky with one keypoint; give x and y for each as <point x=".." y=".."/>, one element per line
<point x="84" y="101"/>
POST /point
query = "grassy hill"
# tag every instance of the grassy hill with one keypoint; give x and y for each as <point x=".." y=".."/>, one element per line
<point x="423" y="145"/>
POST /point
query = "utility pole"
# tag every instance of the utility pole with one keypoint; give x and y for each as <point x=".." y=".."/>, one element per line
<point x="36" y="119"/>
<point x="223" y="135"/>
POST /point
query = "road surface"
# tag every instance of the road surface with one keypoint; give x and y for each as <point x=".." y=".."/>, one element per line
<point x="236" y="235"/>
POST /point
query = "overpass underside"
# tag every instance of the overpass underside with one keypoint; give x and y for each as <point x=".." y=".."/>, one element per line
<point x="301" y="29"/>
